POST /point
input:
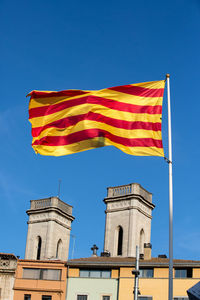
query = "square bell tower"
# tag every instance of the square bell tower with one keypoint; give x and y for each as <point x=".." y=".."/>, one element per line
<point x="49" y="227"/>
<point x="128" y="219"/>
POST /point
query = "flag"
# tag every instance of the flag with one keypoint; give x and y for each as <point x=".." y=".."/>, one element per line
<point x="127" y="117"/>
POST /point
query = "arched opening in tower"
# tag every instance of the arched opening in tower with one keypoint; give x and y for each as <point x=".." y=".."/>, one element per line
<point x="141" y="241"/>
<point x="120" y="241"/>
<point x="59" y="249"/>
<point x="39" y="247"/>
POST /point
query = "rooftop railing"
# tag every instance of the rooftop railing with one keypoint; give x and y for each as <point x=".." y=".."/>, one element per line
<point x="128" y="189"/>
<point x="51" y="202"/>
<point x="121" y="190"/>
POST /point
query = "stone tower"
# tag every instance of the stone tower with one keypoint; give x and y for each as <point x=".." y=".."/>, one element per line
<point x="128" y="220"/>
<point x="49" y="227"/>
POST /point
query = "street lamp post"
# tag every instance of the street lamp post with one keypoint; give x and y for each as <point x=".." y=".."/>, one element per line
<point x="136" y="272"/>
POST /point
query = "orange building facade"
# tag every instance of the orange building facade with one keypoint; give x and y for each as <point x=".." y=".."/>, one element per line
<point x="40" y="280"/>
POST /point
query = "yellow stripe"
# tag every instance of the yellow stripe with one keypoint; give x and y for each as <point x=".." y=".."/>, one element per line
<point x="96" y="143"/>
<point x="151" y="84"/>
<point x="126" y="98"/>
<point x="87" y="124"/>
<point x="85" y="108"/>
<point x="109" y="94"/>
<point x="38" y="102"/>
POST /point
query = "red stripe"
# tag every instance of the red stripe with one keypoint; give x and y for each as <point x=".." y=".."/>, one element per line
<point x="112" y="104"/>
<point x="92" y="133"/>
<point x="129" y="89"/>
<point x="138" y="91"/>
<point x="67" y="93"/>
<point x="73" y="120"/>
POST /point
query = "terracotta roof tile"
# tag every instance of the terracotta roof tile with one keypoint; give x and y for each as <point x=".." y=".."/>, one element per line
<point x="129" y="261"/>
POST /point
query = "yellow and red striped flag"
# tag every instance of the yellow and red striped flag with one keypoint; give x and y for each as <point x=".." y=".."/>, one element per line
<point x="127" y="117"/>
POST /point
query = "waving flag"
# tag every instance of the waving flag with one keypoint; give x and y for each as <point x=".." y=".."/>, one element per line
<point x="127" y="117"/>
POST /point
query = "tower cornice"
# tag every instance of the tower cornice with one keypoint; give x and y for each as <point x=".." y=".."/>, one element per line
<point x="129" y="197"/>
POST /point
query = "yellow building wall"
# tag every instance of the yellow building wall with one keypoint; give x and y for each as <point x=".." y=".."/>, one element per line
<point x="161" y="272"/>
<point x="126" y="272"/>
<point x="157" y="287"/>
<point x="196" y="273"/>
<point x="182" y="285"/>
<point x="114" y="273"/>
<point x="74" y="272"/>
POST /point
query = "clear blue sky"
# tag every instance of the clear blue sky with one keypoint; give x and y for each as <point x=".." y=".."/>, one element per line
<point x="56" y="45"/>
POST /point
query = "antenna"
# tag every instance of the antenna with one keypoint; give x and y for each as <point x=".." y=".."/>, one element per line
<point x="59" y="184"/>
<point x="73" y="247"/>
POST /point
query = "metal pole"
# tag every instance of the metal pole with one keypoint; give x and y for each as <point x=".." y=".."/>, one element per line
<point x="59" y="184"/>
<point x="170" y="195"/>
<point x="73" y="236"/>
<point x="136" y="274"/>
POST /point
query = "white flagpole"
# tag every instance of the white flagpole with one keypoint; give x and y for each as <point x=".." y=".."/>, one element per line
<point x="170" y="194"/>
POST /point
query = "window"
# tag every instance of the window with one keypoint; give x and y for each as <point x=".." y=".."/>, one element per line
<point x="95" y="273"/>
<point x="105" y="274"/>
<point x="82" y="297"/>
<point x="50" y="274"/>
<point x="43" y="274"/>
<point x="106" y="298"/>
<point x="84" y="273"/>
<point x="31" y="273"/>
<point x="145" y="298"/>
<point x="183" y="273"/>
<point x="45" y="297"/>
<point x="27" y="297"/>
<point x="146" y="273"/>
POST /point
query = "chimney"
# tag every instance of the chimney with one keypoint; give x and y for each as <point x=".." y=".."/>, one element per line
<point x="94" y="249"/>
<point x="105" y="253"/>
<point x="162" y="256"/>
<point x="147" y="251"/>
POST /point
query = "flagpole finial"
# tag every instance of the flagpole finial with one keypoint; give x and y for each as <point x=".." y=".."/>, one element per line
<point x="167" y="75"/>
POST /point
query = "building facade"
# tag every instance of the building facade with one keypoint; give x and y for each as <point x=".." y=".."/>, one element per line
<point x="111" y="278"/>
<point x="47" y="274"/>
<point x="40" y="280"/>
<point x="8" y="265"/>
<point x="42" y="274"/>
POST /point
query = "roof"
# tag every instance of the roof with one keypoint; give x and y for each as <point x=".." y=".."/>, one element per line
<point x="53" y="261"/>
<point x="103" y="261"/>
<point x="7" y="256"/>
<point x="130" y="261"/>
